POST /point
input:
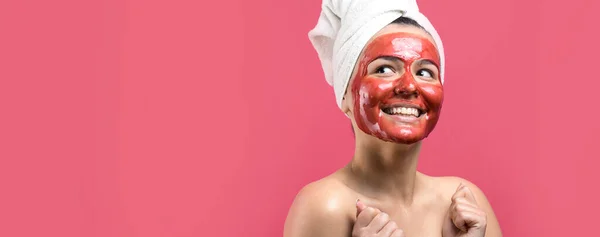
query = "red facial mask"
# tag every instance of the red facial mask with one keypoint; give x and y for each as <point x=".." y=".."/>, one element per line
<point x="398" y="99"/>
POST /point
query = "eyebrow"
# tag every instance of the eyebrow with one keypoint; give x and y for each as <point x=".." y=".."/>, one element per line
<point x="389" y="58"/>
<point x="427" y="62"/>
<point x="420" y="63"/>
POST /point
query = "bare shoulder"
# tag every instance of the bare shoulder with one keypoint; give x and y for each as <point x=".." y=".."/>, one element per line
<point x="321" y="208"/>
<point x="450" y="184"/>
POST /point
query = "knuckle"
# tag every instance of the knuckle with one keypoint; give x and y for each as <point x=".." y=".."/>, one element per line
<point x="359" y="232"/>
<point x="370" y="210"/>
<point x="481" y="213"/>
<point x="454" y="206"/>
<point x="459" y="216"/>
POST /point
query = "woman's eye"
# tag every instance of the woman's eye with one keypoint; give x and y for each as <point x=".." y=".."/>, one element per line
<point x="384" y="70"/>
<point x="425" y="73"/>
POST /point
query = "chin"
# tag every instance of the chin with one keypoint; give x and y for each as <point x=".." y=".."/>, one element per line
<point x="397" y="137"/>
<point x="405" y="134"/>
<point x="403" y="140"/>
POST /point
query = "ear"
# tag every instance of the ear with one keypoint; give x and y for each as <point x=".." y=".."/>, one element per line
<point x="346" y="104"/>
<point x="347" y="100"/>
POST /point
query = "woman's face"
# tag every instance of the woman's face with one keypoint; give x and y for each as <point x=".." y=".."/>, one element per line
<point x="396" y="92"/>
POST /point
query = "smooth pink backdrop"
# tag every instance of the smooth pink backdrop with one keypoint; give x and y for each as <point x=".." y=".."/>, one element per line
<point x="193" y="118"/>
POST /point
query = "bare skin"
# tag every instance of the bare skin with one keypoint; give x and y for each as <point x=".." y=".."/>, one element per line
<point x="384" y="177"/>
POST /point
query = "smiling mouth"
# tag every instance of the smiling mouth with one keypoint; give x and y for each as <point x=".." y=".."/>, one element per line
<point x="404" y="111"/>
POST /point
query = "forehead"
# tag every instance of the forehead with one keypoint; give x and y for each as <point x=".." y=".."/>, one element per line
<point x="394" y="28"/>
<point x="397" y="28"/>
<point x="380" y="42"/>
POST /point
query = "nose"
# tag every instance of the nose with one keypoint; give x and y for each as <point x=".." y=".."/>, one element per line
<point x="405" y="86"/>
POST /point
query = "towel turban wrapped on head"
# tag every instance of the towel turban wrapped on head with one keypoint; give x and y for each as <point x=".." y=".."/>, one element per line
<point x="346" y="26"/>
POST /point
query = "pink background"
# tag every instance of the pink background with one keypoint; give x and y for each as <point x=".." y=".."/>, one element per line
<point x="176" y="118"/>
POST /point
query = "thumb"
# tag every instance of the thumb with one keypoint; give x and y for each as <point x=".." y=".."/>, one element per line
<point x="359" y="206"/>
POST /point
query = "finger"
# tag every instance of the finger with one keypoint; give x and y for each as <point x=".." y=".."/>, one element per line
<point x="460" y="185"/>
<point x="359" y="207"/>
<point x="388" y="229"/>
<point x="463" y="201"/>
<point x="379" y="222"/>
<point x="365" y="216"/>
<point x="458" y="221"/>
<point x="459" y="192"/>
<point x="464" y="220"/>
<point x="464" y="192"/>
<point x="462" y="205"/>
<point x="469" y="208"/>
<point x="397" y="233"/>
<point x="469" y="195"/>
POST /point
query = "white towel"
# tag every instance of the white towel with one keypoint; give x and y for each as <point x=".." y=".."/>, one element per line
<point x="344" y="28"/>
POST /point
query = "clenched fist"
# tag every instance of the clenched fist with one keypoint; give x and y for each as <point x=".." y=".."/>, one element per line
<point x="465" y="218"/>
<point x="371" y="222"/>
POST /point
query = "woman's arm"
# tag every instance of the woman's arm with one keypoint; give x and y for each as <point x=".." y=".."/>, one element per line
<point x="318" y="211"/>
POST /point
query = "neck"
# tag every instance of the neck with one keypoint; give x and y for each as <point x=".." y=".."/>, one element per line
<point x="386" y="170"/>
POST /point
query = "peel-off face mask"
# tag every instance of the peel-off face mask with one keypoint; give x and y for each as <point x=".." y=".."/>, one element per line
<point x="397" y="90"/>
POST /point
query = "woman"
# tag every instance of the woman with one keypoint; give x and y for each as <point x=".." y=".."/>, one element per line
<point x="393" y="99"/>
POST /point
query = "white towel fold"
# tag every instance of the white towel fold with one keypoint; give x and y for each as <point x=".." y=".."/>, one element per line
<point x="344" y="28"/>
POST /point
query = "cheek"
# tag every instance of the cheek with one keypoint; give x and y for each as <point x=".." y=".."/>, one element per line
<point x="433" y="94"/>
<point x="371" y="90"/>
<point x="367" y="94"/>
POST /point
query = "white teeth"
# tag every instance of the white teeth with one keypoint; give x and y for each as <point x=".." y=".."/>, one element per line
<point x="404" y="111"/>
